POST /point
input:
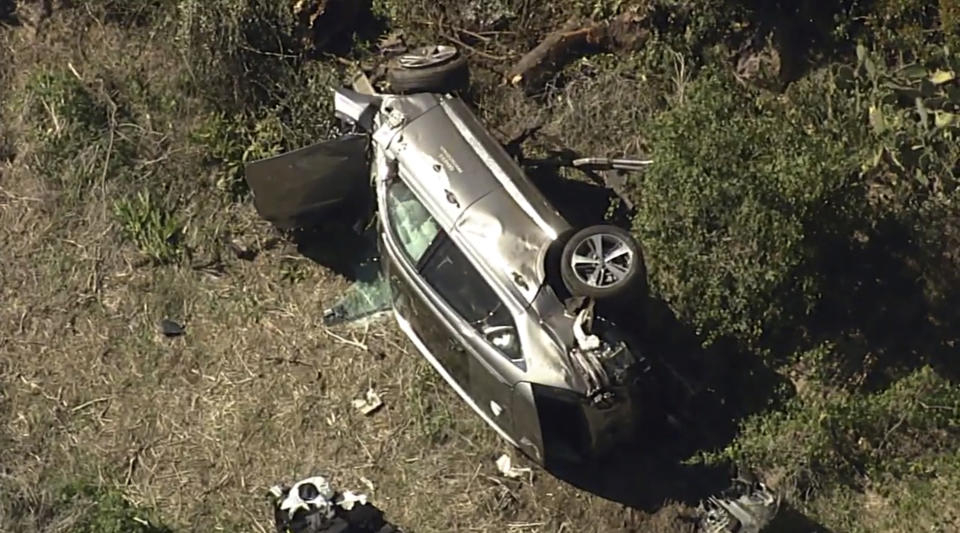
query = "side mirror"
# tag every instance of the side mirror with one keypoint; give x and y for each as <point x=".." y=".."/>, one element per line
<point x="355" y="108"/>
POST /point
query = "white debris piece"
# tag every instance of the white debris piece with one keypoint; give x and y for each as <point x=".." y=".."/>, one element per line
<point x="369" y="403"/>
<point x="347" y="499"/>
<point x="505" y="466"/>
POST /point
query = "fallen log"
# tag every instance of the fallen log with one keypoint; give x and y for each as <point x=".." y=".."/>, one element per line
<point x="627" y="31"/>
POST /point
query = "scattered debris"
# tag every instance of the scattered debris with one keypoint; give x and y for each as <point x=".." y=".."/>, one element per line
<point x="747" y="506"/>
<point x="392" y="43"/>
<point x="313" y="493"/>
<point x="313" y="506"/>
<point x="361" y="300"/>
<point x="348" y="499"/>
<point x="505" y="466"/>
<point x="624" y="32"/>
<point x="367" y="483"/>
<point x="369" y="404"/>
<point x="169" y="328"/>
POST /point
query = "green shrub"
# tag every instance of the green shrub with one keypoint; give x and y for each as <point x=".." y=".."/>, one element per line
<point x="151" y="227"/>
<point x="726" y="210"/>
<point x="235" y="49"/>
<point x="903" y="122"/>
<point x="232" y="141"/>
<point x="302" y="113"/>
<point x="827" y="438"/>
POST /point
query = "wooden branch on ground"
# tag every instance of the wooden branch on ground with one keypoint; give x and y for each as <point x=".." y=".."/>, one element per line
<point x="626" y="31"/>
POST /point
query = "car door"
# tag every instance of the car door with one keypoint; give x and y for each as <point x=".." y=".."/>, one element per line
<point x="414" y="232"/>
<point x="323" y="182"/>
<point x="449" y="306"/>
<point x="481" y="325"/>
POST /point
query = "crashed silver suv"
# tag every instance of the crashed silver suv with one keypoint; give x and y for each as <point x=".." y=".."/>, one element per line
<point x="491" y="284"/>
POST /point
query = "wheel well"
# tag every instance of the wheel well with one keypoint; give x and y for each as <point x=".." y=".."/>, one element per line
<point x="552" y="264"/>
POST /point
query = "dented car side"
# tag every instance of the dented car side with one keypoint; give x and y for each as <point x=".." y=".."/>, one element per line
<point x="464" y="239"/>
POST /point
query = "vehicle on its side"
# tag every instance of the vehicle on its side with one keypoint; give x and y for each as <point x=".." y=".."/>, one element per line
<point x="488" y="280"/>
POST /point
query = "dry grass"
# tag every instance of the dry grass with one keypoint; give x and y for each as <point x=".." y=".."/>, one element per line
<point x="257" y="391"/>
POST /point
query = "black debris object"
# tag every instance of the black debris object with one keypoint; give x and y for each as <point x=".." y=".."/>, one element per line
<point x="169" y="328"/>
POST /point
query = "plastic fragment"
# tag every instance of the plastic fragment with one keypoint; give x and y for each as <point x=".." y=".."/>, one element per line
<point x="369" y="404"/>
<point x="505" y="466"/>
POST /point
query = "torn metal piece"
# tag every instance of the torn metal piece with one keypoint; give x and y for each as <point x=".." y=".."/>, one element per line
<point x="746" y="507"/>
<point x="311" y="494"/>
<point x="505" y="466"/>
<point x="584" y="321"/>
<point x="605" y="163"/>
<point x="369" y="404"/>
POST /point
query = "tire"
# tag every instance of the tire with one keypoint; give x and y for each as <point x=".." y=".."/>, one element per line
<point x="450" y="75"/>
<point x="621" y="271"/>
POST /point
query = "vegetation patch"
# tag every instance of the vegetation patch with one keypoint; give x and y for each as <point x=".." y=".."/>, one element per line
<point x="102" y="510"/>
<point x="150" y="226"/>
<point x="728" y="207"/>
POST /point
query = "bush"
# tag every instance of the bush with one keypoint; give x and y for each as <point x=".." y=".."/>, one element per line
<point x="301" y="114"/>
<point x="726" y="210"/>
<point x="236" y="48"/>
<point x="827" y="438"/>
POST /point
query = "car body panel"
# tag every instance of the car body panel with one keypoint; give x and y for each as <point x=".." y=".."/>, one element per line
<point x="453" y="163"/>
<point x="313" y="184"/>
<point x="424" y="318"/>
<point x="496" y="225"/>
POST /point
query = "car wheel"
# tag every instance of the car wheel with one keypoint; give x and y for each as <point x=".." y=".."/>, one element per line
<point x="603" y="262"/>
<point x="435" y="69"/>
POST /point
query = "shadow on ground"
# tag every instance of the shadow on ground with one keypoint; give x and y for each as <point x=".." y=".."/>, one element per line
<point x="697" y="399"/>
<point x="342" y="249"/>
